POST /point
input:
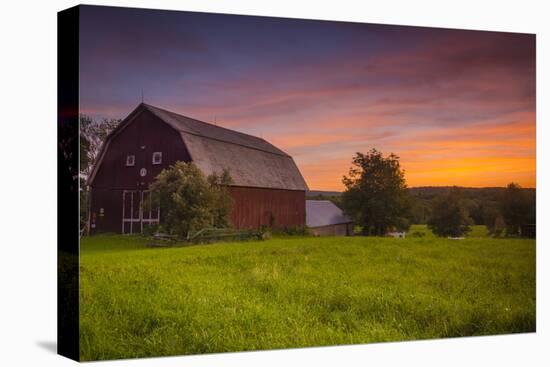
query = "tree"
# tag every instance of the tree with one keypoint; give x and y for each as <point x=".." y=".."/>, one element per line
<point x="514" y="207"/>
<point x="450" y="215"/>
<point x="189" y="200"/>
<point x="493" y="220"/>
<point x="497" y="229"/>
<point x="222" y="200"/>
<point x="92" y="136"/>
<point x="376" y="194"/>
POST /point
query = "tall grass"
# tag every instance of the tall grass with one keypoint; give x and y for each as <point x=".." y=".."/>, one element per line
<point x="297" y="292"/>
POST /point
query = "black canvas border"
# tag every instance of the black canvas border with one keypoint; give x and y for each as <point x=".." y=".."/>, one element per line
<point x="68" y="236"/>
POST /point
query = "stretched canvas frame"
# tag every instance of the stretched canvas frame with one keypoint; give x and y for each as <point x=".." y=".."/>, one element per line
<point x="282" y="183"/>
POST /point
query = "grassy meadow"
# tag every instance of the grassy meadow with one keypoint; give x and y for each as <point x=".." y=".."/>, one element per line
<point x="299" y="291"/>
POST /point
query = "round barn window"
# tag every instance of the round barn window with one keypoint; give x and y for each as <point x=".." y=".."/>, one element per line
<point x="142" y="172"/>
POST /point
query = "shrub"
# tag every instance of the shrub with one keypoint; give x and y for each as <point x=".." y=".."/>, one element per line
<point x="293" y="231"/>
<point x="190" y="201"/>
<point x="449" y="215"/>
<point x="497" y="230"/>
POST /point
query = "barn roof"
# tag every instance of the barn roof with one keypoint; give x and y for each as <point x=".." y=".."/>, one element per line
<point x="192" y="126"/>
<point x="321" y="213"/>
<point x="251" y="161"/>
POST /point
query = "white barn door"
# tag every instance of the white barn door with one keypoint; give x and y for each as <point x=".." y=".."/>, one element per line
<point x="139" y="210"/>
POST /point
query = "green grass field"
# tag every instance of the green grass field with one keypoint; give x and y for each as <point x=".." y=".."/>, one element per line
<point x="298" y="292"/>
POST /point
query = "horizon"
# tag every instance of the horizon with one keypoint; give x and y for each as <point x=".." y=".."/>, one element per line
<point x="457" y="106"/>
<point x="437" y="187"/>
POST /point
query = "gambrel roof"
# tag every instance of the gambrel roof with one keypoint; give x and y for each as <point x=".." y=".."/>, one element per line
<point x="251" y="161"/>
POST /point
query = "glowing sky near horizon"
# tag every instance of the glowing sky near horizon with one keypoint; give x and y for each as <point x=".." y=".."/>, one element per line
<point x="457" y="106"/>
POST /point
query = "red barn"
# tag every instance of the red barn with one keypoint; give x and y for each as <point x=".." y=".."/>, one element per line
<point x="268" y="186"/>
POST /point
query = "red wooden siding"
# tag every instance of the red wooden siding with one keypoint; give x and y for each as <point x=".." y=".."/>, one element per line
<point x="110" y="220"/>
<point x="253" y="207"/>
<point x="143" y="136"/>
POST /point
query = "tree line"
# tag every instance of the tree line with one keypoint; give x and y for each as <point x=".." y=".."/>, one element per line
<point x="504" y="210"/>
<point x="377" y="198"/>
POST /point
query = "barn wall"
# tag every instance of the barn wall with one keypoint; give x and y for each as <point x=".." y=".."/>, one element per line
<point x="143" y="136"/>
<point x="113" y="176"/>
<point x="343" y="229"/>
<point x="111" y="202"/>
<point x="253" y="207"/>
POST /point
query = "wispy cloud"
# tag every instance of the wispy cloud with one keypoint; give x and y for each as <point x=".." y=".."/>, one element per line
<point x="457" y="106"/>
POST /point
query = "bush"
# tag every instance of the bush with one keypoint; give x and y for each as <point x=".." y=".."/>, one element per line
<point x="449" y="215"/>
<point x="189" y="200"/>
<point x="497" y="230"/>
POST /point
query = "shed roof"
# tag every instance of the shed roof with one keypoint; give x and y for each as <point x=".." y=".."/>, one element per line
<point x="321" y="213"/>
<point x="251" y="161"/>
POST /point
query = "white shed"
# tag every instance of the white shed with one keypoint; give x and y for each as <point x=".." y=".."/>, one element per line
<point x="325" y="219"/>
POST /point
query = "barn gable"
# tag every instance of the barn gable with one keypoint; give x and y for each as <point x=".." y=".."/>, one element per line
<point x="140" y="136"/>
<point x="251" y="161"/>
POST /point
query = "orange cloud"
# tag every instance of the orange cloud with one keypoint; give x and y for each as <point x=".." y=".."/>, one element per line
<point x="484" y="154"/>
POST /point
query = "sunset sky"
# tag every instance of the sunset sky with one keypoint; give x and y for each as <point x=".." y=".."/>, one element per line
<point x="457" y="106"/>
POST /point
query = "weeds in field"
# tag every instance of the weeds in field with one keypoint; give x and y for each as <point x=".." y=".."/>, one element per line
<point x="298" y="292"/>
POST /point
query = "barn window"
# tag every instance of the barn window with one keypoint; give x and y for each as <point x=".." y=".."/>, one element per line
<point x="157" y="157"/>
<point x="130" y="160"/>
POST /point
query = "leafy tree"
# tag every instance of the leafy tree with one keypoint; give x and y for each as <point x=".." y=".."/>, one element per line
<point x="222" y="200"/>
<point x="476" y="210"/>
<point x="498" y="227"/>
<point x="492" y="219"/>
<point x="514" y="207"/>
<point x="189" y="200"/>
<point x="92" y="135"/>
<point x="376" y="193"/>
<point x="420" y="209"/>
<point x="450" y="215"/>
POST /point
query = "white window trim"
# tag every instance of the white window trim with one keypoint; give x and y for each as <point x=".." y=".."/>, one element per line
<point x="159" y="155"/>
<point x="132" y="158"/>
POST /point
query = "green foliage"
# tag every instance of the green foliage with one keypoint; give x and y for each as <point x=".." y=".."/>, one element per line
<point x="376" y="193"/>
<point x="297" y="292"/>
<point x="292" y="231"/>
<point x="222" y="200"/>
<point x="450" y="215"/>
<point x="421" y="209"/>
<point x="416" y="234"/>
<point x="517" y="208"/>
<point x="92" y="136"/>
<point x="484" y="205"/>
<point x="499" y="227"/>
<point x="189" y="200"/>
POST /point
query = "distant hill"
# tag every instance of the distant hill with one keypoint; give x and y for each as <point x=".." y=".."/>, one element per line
<point x="424" y="191"/>
<point x="430" y="191"/>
